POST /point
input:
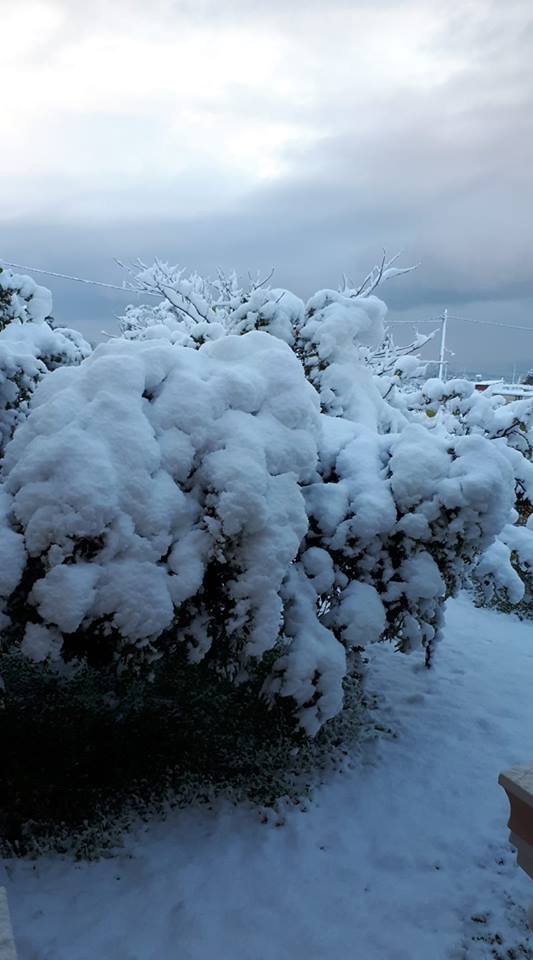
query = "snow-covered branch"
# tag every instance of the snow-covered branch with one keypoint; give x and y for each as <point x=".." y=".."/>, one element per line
<point x="382" y="271"/>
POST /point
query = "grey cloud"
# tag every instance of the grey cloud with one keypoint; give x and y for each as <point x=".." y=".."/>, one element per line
<point x="442" y="170"/>
<point x="304" y="260"/>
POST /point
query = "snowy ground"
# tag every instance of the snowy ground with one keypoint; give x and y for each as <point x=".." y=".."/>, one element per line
<point x="403" y="857"/>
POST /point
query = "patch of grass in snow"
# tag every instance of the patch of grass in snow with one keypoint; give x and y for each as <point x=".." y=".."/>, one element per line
<point x="523" y="610"/>
<point x="84" y="758"/>
<point x="501" y="933"/>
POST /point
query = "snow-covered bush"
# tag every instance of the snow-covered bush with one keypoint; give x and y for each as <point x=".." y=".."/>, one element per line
<point x="403" y="510"/>
<point x="503" y="576"/>
<point x="53" y="346"/>
<point x="29" y="346"/>
<point x="195" y="310"/>
<point x="256" y="502"/>
<point x="22" y="300"/>
<point x="19" y="374"/>
<point x="504" y="573"/>
<point x="159" y="490"/>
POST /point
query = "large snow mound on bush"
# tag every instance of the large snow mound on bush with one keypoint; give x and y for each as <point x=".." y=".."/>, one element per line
<point x="139" y="471"/>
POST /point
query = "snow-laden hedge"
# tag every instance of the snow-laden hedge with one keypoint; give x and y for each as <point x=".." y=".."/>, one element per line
<point x="230" y="481"/>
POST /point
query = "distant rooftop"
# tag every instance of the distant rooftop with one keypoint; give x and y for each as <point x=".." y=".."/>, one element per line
<point x="502" y="389"/>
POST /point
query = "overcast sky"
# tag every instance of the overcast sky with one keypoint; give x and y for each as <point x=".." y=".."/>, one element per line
<point x="301" y="134"/>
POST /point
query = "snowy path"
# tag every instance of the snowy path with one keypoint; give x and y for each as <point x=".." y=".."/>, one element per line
<point x="390" y="863"/>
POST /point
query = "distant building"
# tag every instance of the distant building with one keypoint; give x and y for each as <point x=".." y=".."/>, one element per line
<point x="509" y="391"/>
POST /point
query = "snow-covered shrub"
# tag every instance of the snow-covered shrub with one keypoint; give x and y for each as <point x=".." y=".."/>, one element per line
<point x="29" y="346"/>
<point x="335" y="329"/>
<point x="410" y="534"/>
<point x="259" y="503"/>
<point x="461" y="409"/>
<point x="22" y="300"/>
<point x="159" y="490"/>
<point x="195" y="309"/>
<point x="162" y="322"/>
<point x="19" y="374"/>
<point x="274" y="310"/>
<point x="519" y="540"/>
<point x="503" y="574"/>
<point x="400" y="511"/>
<point x="53" y="346"/>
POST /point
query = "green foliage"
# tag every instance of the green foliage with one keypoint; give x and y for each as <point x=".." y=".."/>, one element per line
<point x="85" y="755"/>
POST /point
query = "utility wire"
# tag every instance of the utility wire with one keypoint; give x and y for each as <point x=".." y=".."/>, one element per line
<point x="66" y="276"/>
<point x="489" y="323"/>
<point x="415" y="323"/>
<point x="130" y="290"/>
<point x="492" y="323"/>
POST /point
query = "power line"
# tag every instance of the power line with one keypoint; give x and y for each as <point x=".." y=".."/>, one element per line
<point x="130" y="290"/>
<point x="66" y="276"/>
<point x="490" y="323"/>
<point x="493" y="323"/>
<point x="414" y="323"/>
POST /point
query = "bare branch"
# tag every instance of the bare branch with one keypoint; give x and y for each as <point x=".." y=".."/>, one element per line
<point x="261" y="283"/>
<point x="379" y="273"/>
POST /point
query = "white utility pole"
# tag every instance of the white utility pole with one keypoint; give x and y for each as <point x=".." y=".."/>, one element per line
<point x="442" y="362"/>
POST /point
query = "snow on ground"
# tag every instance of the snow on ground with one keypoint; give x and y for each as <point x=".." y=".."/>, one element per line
<point x="402" y="857"/>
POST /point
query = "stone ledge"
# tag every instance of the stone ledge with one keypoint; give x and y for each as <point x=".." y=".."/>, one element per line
<point x="519" y="782"/>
